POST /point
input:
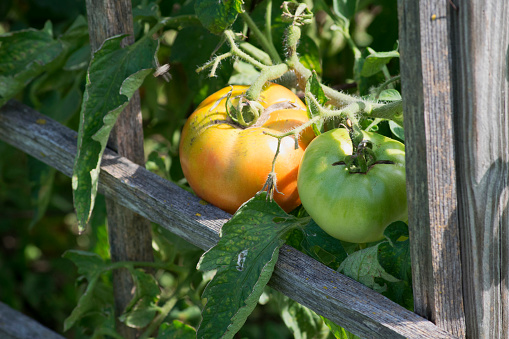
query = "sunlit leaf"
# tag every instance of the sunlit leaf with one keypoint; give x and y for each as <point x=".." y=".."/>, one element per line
<point x="338" y="331"/>
<point x="176" y="330"/>
<point x="376" y="61"/>
<point x="244" y="259"/>
<point x="364" y="267"/>
<point x="114" y="74"/>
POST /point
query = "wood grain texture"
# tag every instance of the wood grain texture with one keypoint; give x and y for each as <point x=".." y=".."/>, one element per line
<point x="426" y="79"/>
<point x="128" y="233"/>
<point x="481" y="60"/>
<point x="16" y="325"/>
<point x="351" y="304"/>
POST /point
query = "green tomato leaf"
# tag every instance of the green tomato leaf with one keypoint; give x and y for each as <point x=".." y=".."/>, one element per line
<point x="389" y="95"/>
<point x="321" y="246"/>
<point x="309" y="55"/>
<point x="79" y="59"/>
<point x="216" y="16"/>
<point x="23" y="56"/>
<point x="77" y="33"/>
<point x="143" y="307"/>
<point x="176" y="330"/>
<point x="345" y="8"/>
<point x="300" y="320"/>
<point x="397" y="130"/>
<point x="338" y="331"/>
<point x="90" y="265"/>
<point x="243" y="73"/>
<point x="244" y="259"/>
<point x="364" y="267"/>
<point x="41" y="178"/>
<point x="314" y="87"/>
<point x="206" y="43"/>
<point x="376" y="61"/>
<point x="146" y="12"/>
<point x="157" y="165"/>
<point x="114" y="74"/>
<point x="394" y="257"/>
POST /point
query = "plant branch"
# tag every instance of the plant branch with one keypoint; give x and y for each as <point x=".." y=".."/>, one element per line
<point x="269" y="73"/>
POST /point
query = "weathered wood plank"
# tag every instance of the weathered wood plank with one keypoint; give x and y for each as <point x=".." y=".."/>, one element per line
<point x="343" y="300"/>
<point x="128" y="233"/>
<point x="481" y="61"/>
<point x="426" y="79"/>
<point x="16" y="325"/>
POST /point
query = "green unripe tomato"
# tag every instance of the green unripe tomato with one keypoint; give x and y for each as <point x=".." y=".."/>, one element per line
<point x="353" y="207"/>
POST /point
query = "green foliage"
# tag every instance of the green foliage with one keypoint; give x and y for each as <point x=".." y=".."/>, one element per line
<point x="244" y="259"/>
<point x="114" y="74"/>
<point x="302" y="322"/>
<point x="216" y="16"/>
<point x="45" y="62"/>
<point x="143" y="307"/>
<point x="313" y="86"/>
<point x="313" y="241"/>
<point x="375" y="62"/>
<point x="338" y="331"/>
<point x="23" y="56"/>
<point x="176" y="330"/>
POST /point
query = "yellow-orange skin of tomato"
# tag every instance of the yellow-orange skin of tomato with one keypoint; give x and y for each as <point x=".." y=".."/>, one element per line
<point x="227" y="165"/>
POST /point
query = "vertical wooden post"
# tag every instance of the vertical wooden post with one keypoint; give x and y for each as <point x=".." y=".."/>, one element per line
<point x="129" y="233"/>
<point x="426" y="74"/>
<point x="481" y="63"/>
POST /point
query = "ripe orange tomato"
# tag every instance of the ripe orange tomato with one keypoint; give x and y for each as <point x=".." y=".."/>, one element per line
<point x="226" y="164"/>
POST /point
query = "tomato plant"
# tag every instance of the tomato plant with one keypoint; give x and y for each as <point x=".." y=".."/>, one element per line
<point x="347" y="201"/>
<point x="226" y="164"/>
<point x="236" y="141"/>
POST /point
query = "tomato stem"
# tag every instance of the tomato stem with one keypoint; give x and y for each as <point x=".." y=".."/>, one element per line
<point x="271" y="183"/>
<point x="269" y="73"/>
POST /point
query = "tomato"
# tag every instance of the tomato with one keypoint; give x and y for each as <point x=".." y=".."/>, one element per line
<point x="227" y="165"/>
<point x="353" y="207"/>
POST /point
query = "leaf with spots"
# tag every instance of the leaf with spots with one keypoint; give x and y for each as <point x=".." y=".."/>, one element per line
<point x="113" y="76"/>
<point x="244" y="259"/>
<point x="24" y="55"/>
<point x="216" y="16"/>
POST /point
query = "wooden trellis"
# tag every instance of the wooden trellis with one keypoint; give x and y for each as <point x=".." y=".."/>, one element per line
<point x="455" y="84"/>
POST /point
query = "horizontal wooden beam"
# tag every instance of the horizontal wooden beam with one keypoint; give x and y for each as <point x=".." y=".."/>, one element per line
<point x="16" y="325"/>
<point x="330" y="294"/>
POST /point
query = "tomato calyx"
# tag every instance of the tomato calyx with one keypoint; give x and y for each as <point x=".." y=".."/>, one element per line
<point x="243" y="112"/>
<point x="363" y="158"/>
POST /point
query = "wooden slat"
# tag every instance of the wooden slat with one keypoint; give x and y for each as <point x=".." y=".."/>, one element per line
<point x="481" y="61"/>
<point x="341" y="299"/>
<point x="128" y="233"/>
<point x="426" y="80"/>
<point x="16" y="325"/>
